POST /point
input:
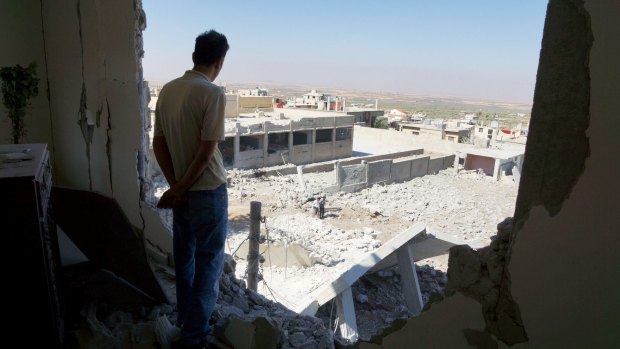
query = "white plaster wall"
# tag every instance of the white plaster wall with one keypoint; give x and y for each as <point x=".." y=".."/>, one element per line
<point x="105" y="62"/>
<point x="22" y="43"/>
<point x="106" y="67"/>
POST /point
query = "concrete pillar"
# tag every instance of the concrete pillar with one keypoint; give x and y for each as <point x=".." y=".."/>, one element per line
<point x="346" y="313"/>
<point x="290" y="143"/>
<point x="334" y="140"/>
<point x="365" y="163"/>
<point x="265" y="143"/>
<point x="253" y="249"/>
<point x="236" y="149"/>
<point x="409" y="280"/>
<point x="337" y="169"/>
<point x="496" y="169"/>
<point x="313" y="143"/>
<point x="265" y="147"/>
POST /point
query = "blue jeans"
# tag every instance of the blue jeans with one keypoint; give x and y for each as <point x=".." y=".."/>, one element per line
<point x="199" y="233"/>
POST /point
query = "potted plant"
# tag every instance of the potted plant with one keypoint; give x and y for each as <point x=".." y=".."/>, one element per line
<point x="19" y="85"/>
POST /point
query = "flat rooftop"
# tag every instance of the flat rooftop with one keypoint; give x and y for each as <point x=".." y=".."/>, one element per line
<point x="494" y="153"/>
<point x="289" y="114"/>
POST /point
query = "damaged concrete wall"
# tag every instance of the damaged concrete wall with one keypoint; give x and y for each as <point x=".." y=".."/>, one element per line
<point x="419" y="166"/>
<point x="435" y="165"/>
<point x="343" y="149"/>
<point x="401" y="169"/>
<point x="379" y="171"/>
<point x="562" y="266"/>
<point x="323" y="152"/>
<point x="566" y="236"/>
<point x="22" y="43"/>
<point x="96" y="102"/>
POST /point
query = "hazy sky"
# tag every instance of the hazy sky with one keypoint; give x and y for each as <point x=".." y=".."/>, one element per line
<point x="484" y="49"/>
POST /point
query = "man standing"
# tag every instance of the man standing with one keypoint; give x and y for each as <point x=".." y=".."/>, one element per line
<point x="189" y="122"/>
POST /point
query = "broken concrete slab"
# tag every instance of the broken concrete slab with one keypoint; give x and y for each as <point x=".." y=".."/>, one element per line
<point x="332" y="288"/>
<point x="428" y="245"/>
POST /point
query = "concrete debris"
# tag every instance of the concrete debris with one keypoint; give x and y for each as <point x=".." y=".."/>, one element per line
<point x="379" y="300"/>
<point x="268" y="324"/>
<point x="465" y="205"/>
<point x="480" y="275"/>
<point x="242" y="319"/>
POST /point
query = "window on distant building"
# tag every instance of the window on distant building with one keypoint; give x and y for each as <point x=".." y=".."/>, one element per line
<point x="302" y="137"/>
<point x="324" y="136"/>
<point x="247" y="143"/>
<point x="344" y="133"/>
<point x="277" y="142"/>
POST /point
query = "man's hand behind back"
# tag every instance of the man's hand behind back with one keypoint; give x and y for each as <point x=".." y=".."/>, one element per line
<point x="171" y="198"/>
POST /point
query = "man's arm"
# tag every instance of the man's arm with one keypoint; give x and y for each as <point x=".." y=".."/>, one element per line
<point x="197" y="166"/>
<point x="174" y="195"/>
<point x="164" y="159"/>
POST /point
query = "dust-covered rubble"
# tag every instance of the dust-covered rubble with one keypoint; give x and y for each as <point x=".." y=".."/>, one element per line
<point x="241" y="318"/>
<point x="467" y="206"/>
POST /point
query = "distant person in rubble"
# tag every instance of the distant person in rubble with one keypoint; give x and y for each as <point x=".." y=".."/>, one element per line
<point x="315" y="207"/>
<point x="189" y="123"/>
<point x="322" y="207"/>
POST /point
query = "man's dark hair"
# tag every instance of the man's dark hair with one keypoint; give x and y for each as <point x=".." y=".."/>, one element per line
<point x="210" y="46"/>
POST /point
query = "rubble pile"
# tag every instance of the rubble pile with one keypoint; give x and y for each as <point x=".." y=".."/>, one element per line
<point x="242" y="318"/>
<point x="467" y="206"/>
<point x="379" y="300"/>
<point x="241" y="312"/>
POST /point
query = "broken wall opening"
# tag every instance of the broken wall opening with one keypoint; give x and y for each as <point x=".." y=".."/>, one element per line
<point x="277" y="141"/>
<point x="299" y="138"/>
<point x="302" y="137"/>
<point x="323" y="135"/>
<point x="248" y="143"/>
<point x="227" y="148"/>
<point x="344" y="133"/>
<point x="475" y="162"/>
